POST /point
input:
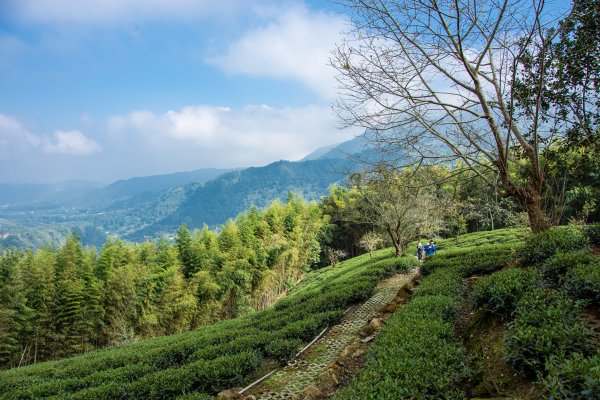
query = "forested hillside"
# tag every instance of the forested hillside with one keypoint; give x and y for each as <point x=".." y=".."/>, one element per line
<point x="212" y="358"/>
<point x="147" y="207"/>
<point x="232" y="193"/>
<point x="57" y="302"/>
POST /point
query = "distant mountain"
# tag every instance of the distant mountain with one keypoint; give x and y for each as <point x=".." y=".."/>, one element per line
<point x="17" y="194"/>
<point x="320" y="152"/>
<point x="226" y="196"/>
<point x="31" y="214"/>
<point x="131" y="188"/>
<point x="143" y="207"/>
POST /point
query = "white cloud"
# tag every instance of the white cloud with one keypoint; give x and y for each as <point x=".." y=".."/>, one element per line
<point x="70" y="142"/>
<point x="15" y="137"/>
<point x="221" y="136"/>
<point x="297" y="45"/>
<point x="107" y="11"/>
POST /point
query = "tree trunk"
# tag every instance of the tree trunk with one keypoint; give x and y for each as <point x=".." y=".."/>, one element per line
<point x="397" y="248"/>
<point x="538" y="219"/>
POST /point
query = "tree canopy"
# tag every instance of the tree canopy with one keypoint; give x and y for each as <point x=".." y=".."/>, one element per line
<point x="472" y="82"/>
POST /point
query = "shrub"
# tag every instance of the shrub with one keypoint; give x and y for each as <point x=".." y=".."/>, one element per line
<point x="444" y="282"/>
<point x="544" y="245"/>
<point x="416" y="355"/>
<point x="555" y="267"/>
<point x="592" y="232"/>
<point x="576" y="377"/>
<point x="501" y="291"/>
<point x="583" y="282"/>
<point x="472" y="261"/>
<point x="282" y="350"/>
<point x="195" y="396"/>
<point x="546" y="324"/>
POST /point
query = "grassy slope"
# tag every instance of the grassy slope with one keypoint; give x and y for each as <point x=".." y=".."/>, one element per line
<point x="212" y="358"/>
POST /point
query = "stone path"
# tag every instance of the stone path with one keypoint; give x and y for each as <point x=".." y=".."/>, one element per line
<point x="298" y="375"/>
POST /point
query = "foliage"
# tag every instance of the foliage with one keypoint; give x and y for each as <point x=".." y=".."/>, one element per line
<point x="441" y="282"/>
<point x="544" y="245"/>
<point x="583" y="282"/>
<point x="500" y="291"/>
<point x="345" y="228"/>
<point x="555" y="267"/>
<point x="471" y="261"/>
<point x="336" y="255"/>
<point x="546" y="324"/>
<point x="401" y="205"/>
<point x="68" y="300"/>
<point x="592" y="231"/>
<point x="370" y="241"/>
<point x="416" y="354"/>
<point x="506" y="99"/>
<point x="575" y="377"/>
<point x="213" y="357"/>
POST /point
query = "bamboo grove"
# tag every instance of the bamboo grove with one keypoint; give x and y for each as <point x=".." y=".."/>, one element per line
<point x="58" y="302"/>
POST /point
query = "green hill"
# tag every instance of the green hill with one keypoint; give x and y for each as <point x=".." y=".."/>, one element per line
<point x="212" y="358"/>
<point x="496" y="314"/>
<point x="229" y="194"/>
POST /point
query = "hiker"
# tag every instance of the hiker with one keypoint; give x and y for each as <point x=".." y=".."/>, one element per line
<point x="419" y="250"/>
<point x="430" y="248"/>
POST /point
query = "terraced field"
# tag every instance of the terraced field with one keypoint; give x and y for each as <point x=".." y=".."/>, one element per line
<point x="214" y="358"/>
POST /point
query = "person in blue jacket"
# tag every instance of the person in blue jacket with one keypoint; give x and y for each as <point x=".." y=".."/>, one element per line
<point x="420" y="250"/>
<point x="430" y="248"/>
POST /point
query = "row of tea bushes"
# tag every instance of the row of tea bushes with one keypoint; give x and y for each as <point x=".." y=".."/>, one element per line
<point x="212" y="358"/>
<point x="417" y="354"/>
<point x="471" y="261"/>
<point x="477" y="239"/>
<point x="548" y="338"/>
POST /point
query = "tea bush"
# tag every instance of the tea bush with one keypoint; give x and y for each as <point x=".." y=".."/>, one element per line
<point x="500" y="292"/>
<point x="416" y="354"/>
<point x="583" y="282"/>
<point x="575" y="377"/>
<point x="442" y="282"/>
<point x="472" y="261"/>
<point x="592" y="231"/>
<point x="471" y="241"/>
<point x="544" y="245"/>
<point x="556" y="267"/>
<point x="546" y="324"/>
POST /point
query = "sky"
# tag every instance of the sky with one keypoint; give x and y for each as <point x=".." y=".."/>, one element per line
<point x="111" y="89"/>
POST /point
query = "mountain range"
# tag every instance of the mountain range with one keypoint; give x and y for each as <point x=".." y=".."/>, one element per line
<point x="146" y="207"/>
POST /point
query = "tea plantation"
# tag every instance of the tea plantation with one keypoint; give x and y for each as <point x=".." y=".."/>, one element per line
<point x="498" y="314"/>
<point x="216" y="357"/>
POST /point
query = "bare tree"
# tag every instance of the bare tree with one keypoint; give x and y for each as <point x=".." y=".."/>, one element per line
<point x="432" y="81"/>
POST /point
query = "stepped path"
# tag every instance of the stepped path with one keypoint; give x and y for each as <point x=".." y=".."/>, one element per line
<point x="297" y="380"/>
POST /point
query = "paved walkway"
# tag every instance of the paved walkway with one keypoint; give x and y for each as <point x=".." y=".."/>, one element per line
<point x="298" y="375"/>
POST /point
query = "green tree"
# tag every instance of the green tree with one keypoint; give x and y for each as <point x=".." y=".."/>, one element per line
<point x="15" y="315"/>
<point x="403" y="206"/>
<point x="187" y="256"/>
<point x="436" y="82"/>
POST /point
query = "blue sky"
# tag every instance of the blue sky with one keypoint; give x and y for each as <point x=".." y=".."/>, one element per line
<point x="110" y="89"/>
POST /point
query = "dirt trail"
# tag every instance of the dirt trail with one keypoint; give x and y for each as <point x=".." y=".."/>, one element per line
<point x="311" y="373"/>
